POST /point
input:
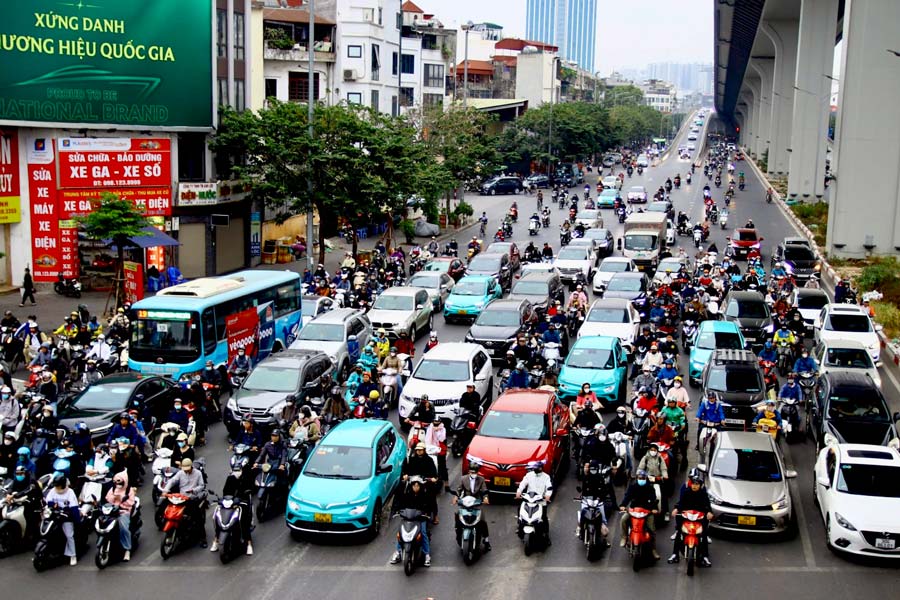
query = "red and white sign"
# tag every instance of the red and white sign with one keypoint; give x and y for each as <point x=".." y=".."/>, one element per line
<point x="10" y="202"/>
<point x="242" y="330"/>
<point x="114" y="162"/>
<point x="46" y="253"/>
<point x="155" y="202"/>
<point x="134" y="281"/>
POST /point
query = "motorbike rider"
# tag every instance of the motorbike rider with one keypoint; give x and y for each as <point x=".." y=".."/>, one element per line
<point x="423" y="412"/>
<point x="585" y="397"/>
<point x="404" y="345"/>
<point x="710" y="411"/>
<point x="42" y="357"/>
<point x="123" y="497"/>
<point x="595" y="485"/>
<point x="189" y="481"/>
<point x="61" y="495"/>
<point x="241" y="362"/>
<point x="417" y="497"/>
<point x="645" y="379"/>
<point x="91" y="374"/>
<point x="654" y="464"/>
<point x="654" y="358"/>
<point x="470" y="401"/>
<point x="640" y="494"/>
<point x="668" y="371"/>
<point x="249" y="435"/>
<point x="179" y="415"/>
<point x="432" y="341"/>
<point x="790" y="390"/>
<point x="531" y="253"/>
<point x="9" y="409"/>
<point x="391" y="361"/>
<point x="241" y="489"/>
<point x="436" y="435"/>
<point x="82" y="442"/>
<point x="598" y="448"/>
<point x="536" y="481"/>
<point x="770" y="413"/>
<point x="23" y="486"/>
<point x="693" y="497"/>
<point x="577" y="299"/>
<point x="99" y="349"/>
<point x="784" y="336"/>
<point x="120" y="325"/>
<point x="768" y="353"/>
<point x="272" y="453"/>
<point x="8" y="451"/>
<point x="47" y="420"/>
<point x="518" y="378"/>
<point x="474" y="485"/>
<point x="126" y="458"/>
<point x="551" y="334"/>
<point x="806" y="363"/>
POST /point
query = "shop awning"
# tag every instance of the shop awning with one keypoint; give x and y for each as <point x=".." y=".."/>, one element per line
<point x="154" y="238"/>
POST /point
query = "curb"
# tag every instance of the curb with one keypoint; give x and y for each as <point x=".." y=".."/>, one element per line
<point x="828" y="271"/>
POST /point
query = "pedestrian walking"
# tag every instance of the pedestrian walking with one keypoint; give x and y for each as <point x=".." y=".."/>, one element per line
<point x="27" y="288"/>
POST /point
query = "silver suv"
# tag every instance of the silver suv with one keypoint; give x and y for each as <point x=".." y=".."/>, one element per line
<point x="329" y="333"/>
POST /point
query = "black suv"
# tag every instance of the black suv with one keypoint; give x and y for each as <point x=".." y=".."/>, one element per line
<point x="737" y="379"/>
<point x="540" y="288"/>
<point x="291" y="376"/>
<point x="850" y="407"/>
<point x="798" y="258"/>
<point x="499" y="323"/>
<point x="749" y="311"/>
<point x="501" y="185"/>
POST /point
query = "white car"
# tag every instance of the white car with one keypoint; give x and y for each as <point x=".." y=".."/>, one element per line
<point x="691" y="146"/>
<point x="841" y="356"/>
<point x="857" y="490"/>
<point x="590" y="218"/>
<point x="572" y="260"/>
<point x="587" y="243"/>
<point x="643" y="161"/>
<point x="443" y="374"/>
<point x="670" y="233"/>
<point x="609" y="267"/>
<point x="849" y="322"/>
<point x="810" y="302"/>
<point x="692" y="136"/>
<point x="400" y="309"/>
<point x="611" y="182"/>
<point x="637" y="194"/>
<point x="439" y="286"/>
<point x="615" y="317"/>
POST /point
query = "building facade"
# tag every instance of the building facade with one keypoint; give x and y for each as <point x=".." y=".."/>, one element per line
<point x="569" y="24"/>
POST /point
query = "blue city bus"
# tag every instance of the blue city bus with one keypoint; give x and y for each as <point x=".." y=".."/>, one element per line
<point x="176" y="331"/>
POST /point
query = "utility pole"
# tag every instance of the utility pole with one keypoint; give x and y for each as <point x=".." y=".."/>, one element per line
<point x="310" y="234"/>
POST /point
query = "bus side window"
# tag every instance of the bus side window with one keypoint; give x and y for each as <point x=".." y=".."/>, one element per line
<point x="208" y="322"/>
<point x="287" y="300"/>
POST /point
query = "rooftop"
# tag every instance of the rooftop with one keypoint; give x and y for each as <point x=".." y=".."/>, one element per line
<point x="518" y="44"/>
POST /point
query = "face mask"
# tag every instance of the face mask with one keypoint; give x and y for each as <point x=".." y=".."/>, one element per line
<point x="678" y="384"/>
<point x="8" y="442"/>
<point x="654" y="453"/>
<point x="642" y="482"/>
<point x="5" y="396"/>
<point x="177" y="407"/>
<point x="20" y="478"/>
<point x="182" y="444"/>
<point x="209" y="368"/>
<point x="187" y="471"/>
<point x="120" y="483"/>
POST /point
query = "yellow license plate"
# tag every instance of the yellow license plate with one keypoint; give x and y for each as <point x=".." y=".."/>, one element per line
<point x="742" y="520"/>
<point x="503" y="481"/>
<point x="461" y="311"/>
<point x="322" y="517"/>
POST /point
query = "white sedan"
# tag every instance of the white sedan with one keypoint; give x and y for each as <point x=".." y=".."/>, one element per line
<point x="849" y="322"/>
<point x="610" y="182"/>
<point x="857" y="490"/>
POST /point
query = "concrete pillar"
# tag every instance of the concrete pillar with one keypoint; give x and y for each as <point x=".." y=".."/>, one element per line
<point x="784" y="37"/>
<point x="812" y="96"/>
<point x="765" y="68"/>
<point x="864" y="206"/>
<point x="740" y="119"/>
<point x="746" y="99"/>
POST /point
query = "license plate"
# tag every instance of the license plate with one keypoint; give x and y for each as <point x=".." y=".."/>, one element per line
<point x="322" y="517"/>
<point x="461" y="311"/>
<point x="734" y="421"/>
<point x="744" y="520"/>
<point x="885" y="544"/>
<point x="752" y="340"/>
<point x="502" y="481"/>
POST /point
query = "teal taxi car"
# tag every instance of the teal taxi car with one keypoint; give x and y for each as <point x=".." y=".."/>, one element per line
<point x="469" y="296"/>
<point x="608" y="197"/>
<point x="347" y="480"/>
<point x="712" y="336"/>
<point x="599" y="360"/>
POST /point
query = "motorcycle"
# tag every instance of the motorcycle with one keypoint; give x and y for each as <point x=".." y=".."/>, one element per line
<point x="723" y="219"/>
<point x="698" y="238"/>
<point x="109" y="548"/>
<point x="790" y="416"/>
<point x="545" y="219"/>
<point x="622" y="444"/>
<point x="688" y="330"/>
<point x="578" y="437"/>
<point x="70" y="288"/>
<point x="691" y="534"/>
<point x="468" y="516"/>
<point x="463" y="428"/>
<point x="92" y="493"/>
<point x="593" y="531"/>
<point x="564" y="236"/>
<point x="270" y="490"/>
<point x="410" y="538"/>
<point x="533" y="227"/>
<point x="228" y="531"/>
<point x="709" y="434"/>
<point x="638" y="539"/>
<point x="622" y="214"/>
<point x="297" y="453"/>
<point x="237" y="376"/>
<point x="389" y="386"/>
<point x="532" y="529"/>
<point x="179" y="527"/>
<point x="552" y="355"/>
<point x="785" y="358"/>
<point x="159" y="489"/>
<point x="641" y="423"/>
<point x="14" y="532"/>
<point x="51" y="545"/>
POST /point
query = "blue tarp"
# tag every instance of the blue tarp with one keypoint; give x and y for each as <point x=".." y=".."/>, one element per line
<point x="154" y="238"/>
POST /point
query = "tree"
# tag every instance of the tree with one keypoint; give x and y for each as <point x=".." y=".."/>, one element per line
<point x="623" y="95"/>
<point x="117" y="220"/>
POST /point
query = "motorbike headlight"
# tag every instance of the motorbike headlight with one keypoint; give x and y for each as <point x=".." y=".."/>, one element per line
<point x="781" y="503"/>
<point x="840" y="520"/>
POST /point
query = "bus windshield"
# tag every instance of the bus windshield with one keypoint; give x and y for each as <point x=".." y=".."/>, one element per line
<point x="173" y="336"/>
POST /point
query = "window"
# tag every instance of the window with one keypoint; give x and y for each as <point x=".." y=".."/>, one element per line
<point x="209" y="325"/>
<point x="239" y="37"/>
<point x="399" y="22"/>
<point x="271" y="88"/>
<point x="239" y="103"/>
<point x="221" y="33"/>
<point x="287" y="299"/>
<point x="223" y="92"/>
<point x="407" y="95"/>
<point x="478" y="363"/>
<point x="191" y="157"/>
<point x="380" y="15"/>
<point x="354" y="97"/>
<point x="375" y="100"/>
<point x="408" y="63"/>
<point x="394" y="63"/>
<point x="354" y="51"/>
<point x="434" y="75"/>
<point x="298" y="86"/>
<point x="395" y="106"/>
<point x="376" y="62"/>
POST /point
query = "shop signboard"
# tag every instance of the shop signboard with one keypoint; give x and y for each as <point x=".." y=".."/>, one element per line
<point x="134" y="281"/>
<point x="10" y="203"/>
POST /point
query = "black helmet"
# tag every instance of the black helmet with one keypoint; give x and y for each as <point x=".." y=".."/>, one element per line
<point x="695" y="476"/>
<point x="59" y="480"/>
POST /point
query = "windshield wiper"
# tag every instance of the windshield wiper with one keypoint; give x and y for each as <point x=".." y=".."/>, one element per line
<point x="332" y="476"/>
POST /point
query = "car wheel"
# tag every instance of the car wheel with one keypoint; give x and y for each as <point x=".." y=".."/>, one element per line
<point x="431" y="322"/>
<point x="375" y="527"/>
<point x="413" y="333"/>
<point x="344" y="371"/>
<point x="828" y="543"/>
<point x="492" y="192"/>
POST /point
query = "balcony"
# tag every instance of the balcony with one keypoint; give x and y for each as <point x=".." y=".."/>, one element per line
<point x="297" y="54"/>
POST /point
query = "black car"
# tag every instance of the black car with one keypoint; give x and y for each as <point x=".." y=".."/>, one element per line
<point x="538" y="181"/>
<point x="737" y="379"/>
<point x="100" y="404"/>
<point x="749" y="311"/>
<point x="540" y="288"/>
<point x="798" y="258"/>
<point x="850" y="407"/>
<point x="495" y="265"/>
<point x="606" y="243"/>
<point x="291" y="376"/>
<point x="631" y="286"/>
<point x="501" y="185"/>
<point x="499" y="323"/>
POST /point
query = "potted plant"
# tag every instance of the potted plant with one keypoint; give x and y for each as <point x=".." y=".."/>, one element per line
<point x="409" y="230"/>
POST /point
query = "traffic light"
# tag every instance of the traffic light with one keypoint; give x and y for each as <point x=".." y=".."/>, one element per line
<point x="738" y="129"/>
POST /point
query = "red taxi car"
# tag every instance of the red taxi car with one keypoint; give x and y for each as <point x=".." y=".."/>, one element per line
<point x="746" y="242"/>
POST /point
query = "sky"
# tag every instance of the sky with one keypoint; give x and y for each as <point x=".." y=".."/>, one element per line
<point x="629" y="35"/>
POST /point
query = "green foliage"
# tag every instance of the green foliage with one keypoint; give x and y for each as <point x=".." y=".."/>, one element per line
<point x="409" y="230"/>
<point x="277" y="38"/>
<point x="888" y="315"/>
<point x="464" y="209"/>
<point x="878" y="274"/>
<point x="457" y="138"/>
<point x="623" y="95"/>
<point x="114" y="219"/>
<point x="814" y="216"/>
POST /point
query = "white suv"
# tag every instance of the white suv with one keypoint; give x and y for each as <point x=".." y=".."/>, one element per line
<point x="849" y="322"/>
<point x="443" y="374"/>
<point x="402" y="309"/>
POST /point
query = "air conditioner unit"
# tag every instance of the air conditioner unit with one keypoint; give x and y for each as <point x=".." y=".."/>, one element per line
<point x="351" y="74"/>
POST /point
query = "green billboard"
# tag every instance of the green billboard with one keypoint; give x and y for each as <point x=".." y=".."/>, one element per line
<point x="135" y="63"/>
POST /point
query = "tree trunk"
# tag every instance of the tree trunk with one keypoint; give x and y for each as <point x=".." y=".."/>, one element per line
<point x="321" y="240"/>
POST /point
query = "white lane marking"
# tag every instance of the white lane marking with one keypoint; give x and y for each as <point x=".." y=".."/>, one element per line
<point x="285" y="568"/>
<point x="802" y="523"/>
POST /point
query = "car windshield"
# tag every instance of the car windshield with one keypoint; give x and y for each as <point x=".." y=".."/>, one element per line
<point x="657" y="207"/>
<point x="744" y="380"/>
<point x="857" y="403"/>
<point x="812" y="301"/>
<point x="470" y="288"/>
<point x="322" y="332"/>
<point x="573" y="253"/>
<point x="440" y="266"/>
<point x="265" y="378"/>
<point x="624" y="284"/>
<point x="710" y="340"/>
<point x="515" y="425"/>
<point x="608" y="315"/>
<point x="431" y="369"/>
<point x="613" y="266"/>
<point x="746" y="465"/>
<point x="485" y="262"/>
<point x="591" y="358"/>
<point x="793" y="253"/>
<point x="424" y="281"/>
<point x="498" y="318"/>
<point x="748" y="309"/>
<point x="309" y="307"/>
<point x="747" y="235"/>
<point x="102" y="397"/>
<point x="499" y="248"/>
<point x="869" y="480"/>
<point x="849" y="323"/>
<point x="609" y="194"/>
<point x="391" y="302"/>
<point x="596" y="234"/>
<point x="339" y="462"/>
<point x="168" y="335"/>
<point x="636" y="189"/>
<point x="587" y="215"/>
<point x="849" y="358"/>
<point x="668" y="266"/>
<point x="531" y="288"/>
<point x="640" y="242"/>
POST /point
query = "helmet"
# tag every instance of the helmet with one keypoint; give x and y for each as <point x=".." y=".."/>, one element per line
<point x="520" y="365"/>
<point x="275" y="433"/>
<point x="24" y="451"/>
<point x="81" y="426"/>
<point x="642" y="474"/>
<point x="124" y="415"/>
<point x="644" y="390"/>
<point x="535" y="465"/>
<point x="58" y="479"/>
<point x="679" y="378"/>
<point x="695" y="475"/>
<point x="182" y="437"/>
<point x="433" y="335"/>
<point x="101" y="337"/>
<point x="420" y="446"/>
<point x="5" y="389"/>
<point x="374" y="395"/>
<point x="424" y="397"/>
<point x="475" y="464"/>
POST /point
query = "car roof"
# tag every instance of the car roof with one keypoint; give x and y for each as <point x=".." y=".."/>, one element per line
<point x="530" y="401"/>
<point x="745" y="440"/>
<point x="628" y="275"/>
<point x="722" y="326"/>
<point x="609" y="303"/>
<point x="847" y="309"/>
<point x="359" y="433"/>
<point x="596" y="341"/>
<point x="537" y="276"/>
<point x="402" y="291"/>
<point x="850" y="379"/>
<point x="869" y="454"/>
<point x="291" y="356"/>
<point x="127" y="379"/>
<point x="451" y="350"/>
<point x="504" y="304"/>
<point x="802" y="291"/>
<point x="337" y="315"/>
<point x="795" y="240"/>
<point x="481" y="278"/>
<point x="746" y="296"/>
<point x="832" y="343"/>
<point x="441" y="259"/>
<point x="315" y="298"/>
<point x="744" y="229"/>
<point x="615" y="259"/>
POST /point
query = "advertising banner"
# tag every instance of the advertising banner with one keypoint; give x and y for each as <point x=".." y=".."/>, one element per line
<point x="114" y="162"/>
<point x="134" y="281"/>
<point x="131" y="63"/>
<point x="242" y="331"/>
<point x="155" y="202"/>
<point x="68" y="248"/>
<point x="10" y="203"/>
<point x="46" y="255"/>
<point x="255" y="234"/>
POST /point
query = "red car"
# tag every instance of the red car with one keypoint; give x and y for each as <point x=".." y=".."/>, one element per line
<point x="519" y="427"/>
<point x="452" y="266"/>
<point x="746" y="243"/>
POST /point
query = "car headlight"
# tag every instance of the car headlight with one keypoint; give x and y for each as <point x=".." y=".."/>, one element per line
<point x="293" y="505"/>
<point x="843" y="522"/>
<point x="714" y="499"/>
<point x="781" y="503"/>
<point x="276" y="408"/>
<point x="818" y="267"/>
<point x="469" y="337"/>
<point x="362" y="507"/>
<point x="607" y="389"/>
<point x="232" y="404"/>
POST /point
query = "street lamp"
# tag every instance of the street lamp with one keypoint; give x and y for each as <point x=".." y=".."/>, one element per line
<point x="552" y="94"/>
<point x="466" y="27"/>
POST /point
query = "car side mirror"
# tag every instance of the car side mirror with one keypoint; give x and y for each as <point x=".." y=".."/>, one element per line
<point x="702" y="467"/>
<point x="790" y="474"/>
<point x="823" y="481"/>
<point x="897" y="416"/>
<point x="480" y="377"/>
<point x="384" y="469"/>
<point x="420" y="306"/>
<point x="879" y="328"/>
<point x="562" y="432"/>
